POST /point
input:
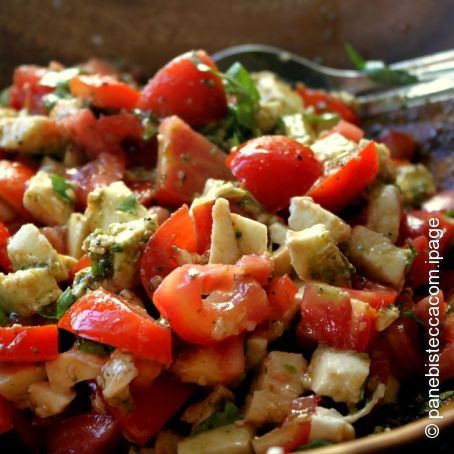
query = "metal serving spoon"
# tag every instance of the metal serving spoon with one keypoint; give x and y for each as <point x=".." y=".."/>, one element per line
<point x="435" y="74"/>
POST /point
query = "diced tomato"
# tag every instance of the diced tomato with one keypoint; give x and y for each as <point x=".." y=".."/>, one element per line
<point x="274" y="169"/>
<point x="159" y="256"/>
<point x="376" y="295"/>
<point x="259" y="267"/>
<point x="5" y="262"/>
<point x="26" y="91"/>
<point x="186" y="159"/>
<point x="103" y="170"/>
<point x="107" y="318"/>
<point x="25" y="344"/>
<point x="13" y="183"/>
<point x="281" y="293"/>
<point x="145" y="192"/>
<point x="153" y="407"/>
<point x="448" y="328"/>
<point x="221" y="363"/>
<point x="5" y="416"/>
<point x="85" y="434"/>
<point x="99" y="66"/>
<point x="104" y="91"/>
<point x="431" y="307"/>
<point x="402" y="343"/>
<point x="418" y="274"/>
<point x="205" y="304"/>
<point x="323" y="102"/>
<point x="340" y="187"/>
<point x="442" y="201"/>
<point x="400" y="145"/>
<point x="83" y="262"/>
<point x="147" y="372"/>
<point x="346" y="129"/>
<point x="447" y="362"/>
<point x="102" y="135"/>
<point x="329" y="316"/>
<point x="203" y="219"/>
<point x="435" y="225"/>
<point x="180" y="88"/>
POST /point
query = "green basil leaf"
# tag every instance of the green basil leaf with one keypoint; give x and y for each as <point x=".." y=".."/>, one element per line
<point x="128" y="204"/>
<point x="49" y="311"/>
<point x="443" y="399"/>
<point x="411" y="316"/>
<point x="450" y="213"/>
<point x="64" y="302"/>
<point x="4" y="98"/>
<point x="61" y="186"/>
<point x="228" y="415"/>
<point x="95" y="348"/>
<point x="101" y="268"/>
<point x="3" y="318"/>
<point x="378" y="70"/>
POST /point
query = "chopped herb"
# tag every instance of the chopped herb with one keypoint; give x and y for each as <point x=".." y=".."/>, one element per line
<point x="49" y="311"/>
<point x="61" y="186"/>
<point x="101" y="268"/>
<point x="3" y="318"/>
<point x="95" y="348"/>
<point x="4" y="98"/>
<point x="128" y="205"/>
<point x="411" y="316"/>
<point x="65" y="301"/>
<point x="238" y="234"/>
<point x="228" y="415"/>
<point x="315" y="444"/>
<point x="443" y="399"/>
<point x="450" y="213"/>
<point x="378" y="70"/>
<point x="323" y="121"/>
<point x="290" y="369"/>
<point x="117" y="247"/>
<point x="149" y="124"/>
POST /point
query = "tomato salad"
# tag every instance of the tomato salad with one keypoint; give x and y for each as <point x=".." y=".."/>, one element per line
<point x="211" y="262"/>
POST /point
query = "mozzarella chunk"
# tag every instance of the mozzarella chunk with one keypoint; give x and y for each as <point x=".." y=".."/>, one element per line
<point x="279" y="382"/>
<point x="229" y="439"/>
<point x="25" y="292"/>
<point x="415" y="182"/>
<point x="73" y="366"/>
<point x="305" y="213"/>
<point x="251" y="236"/>
<point x="386" y="317"/>
<point x="315" y="256"/>
<point x="15" y="379"/>
<point x="281" y="261"/>
<point x="46" y="206"/>
<point x="120" y="247"/>
<point x="278" y="233"/>
<point x="384" y="211"/>
<point x="334" y="148"/>
<point x="29" y="134"/>
<point x="297" y="127"/>
<point x="29" y="248"/>
<point x="224" y="248"/>
<point x="47" y="401"/>
<point x="338" y="374"/>
<point x="378" y="257"/>
<point x="117" y="373"/>
<point x="276" y="99"/>
<point x="115" y="203"/>
<point x="329" y="424"/>
<point x="78" y="230"/>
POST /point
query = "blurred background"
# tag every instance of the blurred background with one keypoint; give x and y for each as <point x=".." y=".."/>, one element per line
<point x="150" y="32"/>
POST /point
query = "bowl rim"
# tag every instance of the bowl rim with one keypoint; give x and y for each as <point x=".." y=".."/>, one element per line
<point x="393" y="438"/>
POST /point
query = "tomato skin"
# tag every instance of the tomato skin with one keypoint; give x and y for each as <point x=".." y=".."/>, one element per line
<point x="422" y="307"/>
<point x="179" y="88"/>
<point x="221" y="363"/>
<point x="203" y="220"/>
<point x="186" y="159"/>
<point x="26" y="92"/>
<point x="205" y="304"/>
<point x="323" y="102"/>
<point x="349" y="130"/>
<point x="400" y="145"/>
<point x="13" y="184"/>
<point x="84" y="262"/>
<point x="376" y="295"/>
<point x="5" y="261"/>
<point x="336" y="190"/>
<point x="104" y="317"/>
<point x="104" y="91"/>
<point x="281" y="293"/>
<point x="85" y="434"/>
<point x="25" y="344"/>
<point x="328" y="316"/>
<point x="5" y="416"/>
<point x="274" y="169"/>
<point x="153" y="407"/>
<point x="159" y="256"/>
<point x="103" y="170"/>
